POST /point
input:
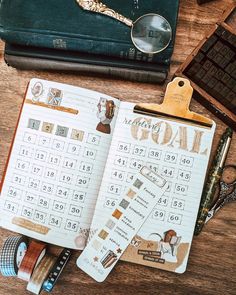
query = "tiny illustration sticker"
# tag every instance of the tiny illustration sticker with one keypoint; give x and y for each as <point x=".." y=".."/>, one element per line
<point x="105" y="113"/>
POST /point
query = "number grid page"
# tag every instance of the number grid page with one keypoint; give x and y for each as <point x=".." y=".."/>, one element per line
<point x="56" y="167"/>
<point x="180" y="154"/>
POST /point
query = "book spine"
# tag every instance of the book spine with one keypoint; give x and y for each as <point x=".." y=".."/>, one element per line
<point x="30" y="63"/>
<point x="113" y="49"/>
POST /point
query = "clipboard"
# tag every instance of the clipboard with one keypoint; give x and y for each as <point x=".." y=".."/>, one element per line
<point x="175" y="105"/>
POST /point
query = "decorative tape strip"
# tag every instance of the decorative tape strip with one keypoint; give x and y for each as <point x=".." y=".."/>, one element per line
<point x="41" y="273"/>
<point x="57" y="270"/>
<point x="11" y="255"/>
<point x="34" y="255"/>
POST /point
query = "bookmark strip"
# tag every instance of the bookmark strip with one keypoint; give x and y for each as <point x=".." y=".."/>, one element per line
<point x="57" y="269"/>
<point x="11" y="255"/>
<point x="40" y="274"/>
<point x="33" y="256"/>
<point x="110" y="241"/>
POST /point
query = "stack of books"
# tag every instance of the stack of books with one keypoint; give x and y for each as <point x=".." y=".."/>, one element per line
<point x="60" y="35"/>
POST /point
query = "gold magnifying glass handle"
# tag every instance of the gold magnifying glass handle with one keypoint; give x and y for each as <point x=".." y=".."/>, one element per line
<point x="97" y="6"/>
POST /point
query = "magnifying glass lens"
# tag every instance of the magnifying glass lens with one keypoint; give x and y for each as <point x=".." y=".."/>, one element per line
<point x="151" y="33"/>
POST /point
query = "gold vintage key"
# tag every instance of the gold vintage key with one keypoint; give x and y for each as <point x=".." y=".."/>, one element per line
<point x="150" y="33"/>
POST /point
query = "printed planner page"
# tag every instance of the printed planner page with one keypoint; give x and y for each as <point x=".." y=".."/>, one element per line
<point x="57" y="162"/>
<point x="174" y="150"/>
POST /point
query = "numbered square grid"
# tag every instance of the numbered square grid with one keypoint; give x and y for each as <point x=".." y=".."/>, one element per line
<point x="43" y="202"/>
<point x="139" y="150"/>
<point x="110" y="224"/>
<point x="44" y="141"/>
<point x="168" y="171"/>
<point x="186" y="161"/>
<point x="86" y="167"/>
<point x="120" y="161"/>
<point x="27" y="212"/>
<point x="30" y="198"/>
<point x="37" y="169"/>
<point x="26" y="151"/>
<point x="184" y="175"/>
<point x="40" y="155"/>
<point x="33" y="124"/>
<point x="55" y="221"/>
<point x="30" y="138"/>
<point x="69" y="163"/>
<point x="58" y="145"/>
<point x="124" y="204"/>
<point x="178" y="204"/>
<point x="19" y="179"/>
<point x="123" y="147"/>
<point x="77" y="135"/>
<point x="79" y="196"/>
<point x="114" y="189"/>
<point x="47" y="127"/>
<point x="11" y="207"/>
<point x="181" y="189"/>
<point x="40" y="216"/>
<point x="22" y="165"/>
<point x="158" y="214"/>
<point x="62" y="192"/>
<point x="75" y="210"/>
<point x="59" y="206"/>
<point x="82" y="181"/>
<point x="14" y="192"/>
<point x="62" y="131"/>
<point x="171" y="157"/>
<point x="71" y="225"/>
<point x="93" y="139"/>
<point x="73" y="149"/>
<point x="90" y="153"/>
<point x="175" y="218"/>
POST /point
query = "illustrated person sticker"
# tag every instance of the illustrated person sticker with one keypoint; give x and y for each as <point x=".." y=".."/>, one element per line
<point x="54" y="97"/>
<point x="106" y="110"/>
<point x="37" y="91"/>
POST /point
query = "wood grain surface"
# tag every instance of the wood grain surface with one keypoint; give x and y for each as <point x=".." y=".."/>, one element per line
<point x="212" y="263"/>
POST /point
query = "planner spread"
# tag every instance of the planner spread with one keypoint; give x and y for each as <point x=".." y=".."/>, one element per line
<point x="76" y="152"/>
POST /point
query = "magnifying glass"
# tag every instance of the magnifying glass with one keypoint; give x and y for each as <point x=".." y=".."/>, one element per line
<point x="150" y="33"/>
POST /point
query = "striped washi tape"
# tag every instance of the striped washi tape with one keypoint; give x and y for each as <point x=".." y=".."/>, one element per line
<point x="12" y="254"/>
<point x="33" y="256"/>
<point x="57" y="270"/>
<point x="40" y="274"/>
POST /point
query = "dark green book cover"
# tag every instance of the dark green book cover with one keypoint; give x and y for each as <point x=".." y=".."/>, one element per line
<point x="63" y="24"/>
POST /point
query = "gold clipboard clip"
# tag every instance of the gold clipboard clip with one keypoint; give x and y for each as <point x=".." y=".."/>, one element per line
<point x="175" y="104"/>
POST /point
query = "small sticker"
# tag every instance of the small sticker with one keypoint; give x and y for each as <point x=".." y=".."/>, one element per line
<point x="138" y="183"/>
<point x="124" y="204"/>
<point x="103" y="234"/>
<point x="117" y="214"/>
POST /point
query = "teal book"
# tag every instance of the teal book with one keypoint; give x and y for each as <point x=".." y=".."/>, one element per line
<point x="64" y="25"/>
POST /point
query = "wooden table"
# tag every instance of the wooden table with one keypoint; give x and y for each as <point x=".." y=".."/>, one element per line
<point x="212" y="262"/>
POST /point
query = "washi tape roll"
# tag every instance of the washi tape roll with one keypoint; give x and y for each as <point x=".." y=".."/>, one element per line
<point x="11" y="255"/>
<point x="57" y="270"/>
<point x="40" y="274"/>
<point x="33" y="256"/>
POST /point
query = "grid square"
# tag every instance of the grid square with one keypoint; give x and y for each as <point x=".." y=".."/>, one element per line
<point x="110" y="224"/>
<point x="117" y="214"/>
<point x="96" y="245"/>
<point x="124" y="204"/>
<point x="131" y="194"/>
<point x="138" y="183"/>
<point x="103" y="234"/>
